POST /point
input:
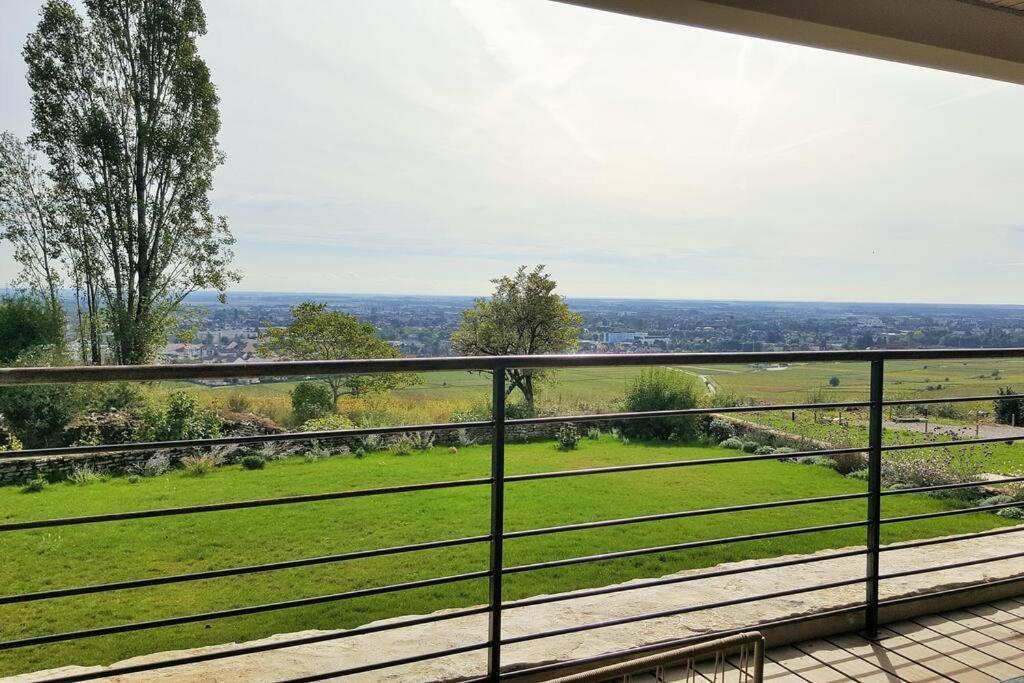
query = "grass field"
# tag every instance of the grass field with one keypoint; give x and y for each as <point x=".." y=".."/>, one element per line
<point x="97" y="553"/>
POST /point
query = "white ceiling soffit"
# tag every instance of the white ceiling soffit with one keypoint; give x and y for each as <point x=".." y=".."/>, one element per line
<point x="977" y="37"/>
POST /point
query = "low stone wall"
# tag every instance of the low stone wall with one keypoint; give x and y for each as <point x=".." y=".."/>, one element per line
<point x="55" y="468"/>
<point x="772" y="437"/>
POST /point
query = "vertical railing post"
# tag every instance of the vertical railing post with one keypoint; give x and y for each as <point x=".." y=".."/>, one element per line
<point x="497" y="522"/>
<point x="874" y="497"/>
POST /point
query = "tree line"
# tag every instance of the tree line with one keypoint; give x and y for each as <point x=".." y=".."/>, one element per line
<point x="108" y="197"/>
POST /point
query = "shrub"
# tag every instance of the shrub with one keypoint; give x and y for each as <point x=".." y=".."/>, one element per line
<point x="568" y="437"/>
<point x="859" y="474"/>
<point x="311" y="400"/>
<point x="133" y="479"/>
<point x="660" y="389"/>
<point x="933" y="467"/>
<point x="359" y="452"/>
<point x="421" y="441"/>
<point x="784" y="450"/>
<point x="463" y="438"/>
<point x="732" y="443"/>
<point x="593" y="433"/>
<point x="833" y="381"/>
<point x="453" y="450"/>
<point x="844" y="463"/>
<point x="1011" y="513"/>
<point x="83" y="475"/>
<point x="199" y="465"/>
<point x="181" y="419"/>
<point x="327" y="423"/>
<point x="239" y="403"/>
<point x="401" y="446"/>
<point x="156" y="465"/>
<point x="254" y="462"/>
<point x="34" y="485"/>
<point x="750" y="446"/>
<point x="718" y="430"/>
<point x="764" y="450"/>
<point x="995" y="500"/>
<point x="39" y="413"/>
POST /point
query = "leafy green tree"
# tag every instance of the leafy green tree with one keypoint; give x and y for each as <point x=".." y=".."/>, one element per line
<point x="524" y="316"/>
<point x="661" y="389"/>
<point x="311" y="400"/>
<point x="124" y="110"/>
<point x="833" y="381"/>
<point x="27" y="323"/>
<point x="316" y="333"/>
<point x="29" y="221"/>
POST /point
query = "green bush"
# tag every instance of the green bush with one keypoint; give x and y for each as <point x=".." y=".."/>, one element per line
<point x="568" y="437"/>
<point x="660" y="389"/>
<point x="83" y="475"/>
<point x="180" y="419"/>
<point x="133" y="478"/>
<point x="253" y="462"/>
<point x="995" y="500"/>
<point x="750" y="446"/>
<point x="401" y="446"/>
<point x="764" y="450"/>
<point x="199" y="465"/>
<point x="26" y="323"/>
<point x="34" y="485"/>
<point x="38" y="414"/>
<point x="327" y="423"/>
<point x="311" y="400"/>
<point x="732" y="443"/>
<point x="718" y="430"/>
<point x="593" y="433"/>
<point x="1011" y="513"/>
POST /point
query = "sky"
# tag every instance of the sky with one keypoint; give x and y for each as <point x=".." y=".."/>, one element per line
<point x="427" y="146"/>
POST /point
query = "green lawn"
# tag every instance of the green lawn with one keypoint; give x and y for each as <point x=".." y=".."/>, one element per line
<point x="71" y="556"/>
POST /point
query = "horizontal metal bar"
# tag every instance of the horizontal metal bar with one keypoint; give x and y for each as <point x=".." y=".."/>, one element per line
<point x="637" y="585"/>
<point x="947" y="399"/>
<point x="636" y="415"/>
<point x="412" y="659"/>
<point x="111" y="373"/>
<point x="678" y="642"/>
<point x="951" y="513"/>
<point x="668" y="464"/>
<point x="952" y="565"/>
<point x="681" y="514"/>
<point x="232" y="612"/>
<point x="241" y="504"/>
<point x="948" y="487"/>
<point x="262" y="647"/>
<point x="515" y="569"/>
<point x="679" y="610"/>
<point x="239" y="571"/>
<point x="906" y="545"/>
<point x="940" y="444"/>
<point x="136" y="446"/>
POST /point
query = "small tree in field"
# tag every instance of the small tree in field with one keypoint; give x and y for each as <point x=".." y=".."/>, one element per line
<point x="524" y="316"/>
<point x="316" y="333"/>
<point x="311" y="400"/>
<point x="833" y="381"/>
<point x="1009" y="411"/>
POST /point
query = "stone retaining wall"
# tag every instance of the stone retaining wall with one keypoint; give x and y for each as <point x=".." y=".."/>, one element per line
<point x="55" y="468"/>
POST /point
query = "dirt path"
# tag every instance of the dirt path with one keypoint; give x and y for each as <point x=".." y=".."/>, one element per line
<point x="985" y="431"/>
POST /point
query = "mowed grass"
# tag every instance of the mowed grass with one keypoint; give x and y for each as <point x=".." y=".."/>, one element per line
<point x="87" y="554"/>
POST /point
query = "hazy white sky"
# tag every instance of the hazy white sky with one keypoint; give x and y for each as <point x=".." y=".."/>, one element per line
<point x="425" y="146"/>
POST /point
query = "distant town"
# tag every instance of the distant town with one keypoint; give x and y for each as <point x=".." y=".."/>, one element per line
<point x="422" y="325"/>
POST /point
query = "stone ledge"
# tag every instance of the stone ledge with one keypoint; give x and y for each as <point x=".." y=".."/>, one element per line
<point x="359" y="650"/>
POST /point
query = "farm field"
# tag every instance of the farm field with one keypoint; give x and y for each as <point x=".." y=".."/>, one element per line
<point x="600" y="386"/>
<point x="113" y="551"/>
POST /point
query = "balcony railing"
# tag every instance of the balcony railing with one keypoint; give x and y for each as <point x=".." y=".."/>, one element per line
<point x="492" y="641"/>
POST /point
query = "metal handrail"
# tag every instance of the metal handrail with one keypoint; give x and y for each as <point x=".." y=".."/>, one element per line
<point x="498" y="479"/>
